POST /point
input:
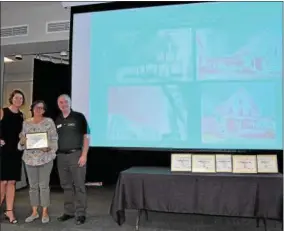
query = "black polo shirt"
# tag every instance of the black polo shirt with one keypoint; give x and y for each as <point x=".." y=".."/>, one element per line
<point x="71" y="131"/>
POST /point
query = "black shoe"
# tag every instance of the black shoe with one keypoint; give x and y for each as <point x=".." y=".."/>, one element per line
<point x="65" y="217"/>
<point x="7" y="217"/>
<point x="80" y="220"/>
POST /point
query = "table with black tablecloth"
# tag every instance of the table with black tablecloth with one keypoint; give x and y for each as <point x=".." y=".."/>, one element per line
<point x="220" y="194"/>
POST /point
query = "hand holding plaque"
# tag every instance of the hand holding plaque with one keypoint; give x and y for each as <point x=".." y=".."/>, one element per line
<point x="23" y="140"/>
<point x="37" y="141"/>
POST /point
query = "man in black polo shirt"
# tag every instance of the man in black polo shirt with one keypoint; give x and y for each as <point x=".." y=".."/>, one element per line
<point x="73" y="146"/>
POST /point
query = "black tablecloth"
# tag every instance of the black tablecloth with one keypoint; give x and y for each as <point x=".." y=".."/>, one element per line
<point x="157" y="189"/>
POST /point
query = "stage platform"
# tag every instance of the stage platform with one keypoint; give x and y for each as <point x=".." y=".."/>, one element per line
<point x="99" y="219"/>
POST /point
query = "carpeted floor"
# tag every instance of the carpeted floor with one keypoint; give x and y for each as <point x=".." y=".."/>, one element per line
<point x="98" y="219"/>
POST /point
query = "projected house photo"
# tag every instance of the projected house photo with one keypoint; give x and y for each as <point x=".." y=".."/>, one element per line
<point x="163" y="55"/>
<point x="248" y="56"/>
<point x="238" y="118"/>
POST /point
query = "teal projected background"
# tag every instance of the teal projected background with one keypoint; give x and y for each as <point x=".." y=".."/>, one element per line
<point x="187" y="76"/>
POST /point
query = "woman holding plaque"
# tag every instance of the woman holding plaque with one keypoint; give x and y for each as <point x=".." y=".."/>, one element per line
<point x="11" y="121"/>
<point x="39" y="142"/>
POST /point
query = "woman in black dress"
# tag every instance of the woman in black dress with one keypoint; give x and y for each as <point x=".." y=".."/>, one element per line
<point x="11" y="119"/>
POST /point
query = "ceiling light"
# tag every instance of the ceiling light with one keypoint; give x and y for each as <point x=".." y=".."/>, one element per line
<point x="8" y="60"/>
<point x="18" y="57"/>
<point x="63" y="53"/>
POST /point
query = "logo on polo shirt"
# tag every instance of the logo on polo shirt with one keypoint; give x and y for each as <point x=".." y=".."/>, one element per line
<point x="71" y="124"/>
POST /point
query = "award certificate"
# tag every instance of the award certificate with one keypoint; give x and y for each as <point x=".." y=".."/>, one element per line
<point x="267" y="164"/>
<point x="244" y="164"/>
<point x="36" y="140"/>
<point x="181" y="163"/>
<point x="203" y="163"/>
<point x="224" y="163"/>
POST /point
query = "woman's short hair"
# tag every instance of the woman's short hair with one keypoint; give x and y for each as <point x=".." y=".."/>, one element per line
<point x="15" y="92"/>
<point x="36" y="103"/>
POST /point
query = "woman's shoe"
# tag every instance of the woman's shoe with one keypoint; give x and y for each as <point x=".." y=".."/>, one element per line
<point x="31" y="218"/>
<point x="45" y="219"/>
<point x="13" y="221"/>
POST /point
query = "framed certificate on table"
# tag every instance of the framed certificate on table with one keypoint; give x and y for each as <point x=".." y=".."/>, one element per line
<point x="224" y="163"/>
<point x="181" y="162"/>
<point x="244" y="164"/>
<point x="203" y="163"/>
<point x="36" y="140"/>
<point x="267" y="164"/>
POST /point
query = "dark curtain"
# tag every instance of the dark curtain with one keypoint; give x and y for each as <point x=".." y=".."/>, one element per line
<point x="104" y="164"/>
<point x="50" y="81"/>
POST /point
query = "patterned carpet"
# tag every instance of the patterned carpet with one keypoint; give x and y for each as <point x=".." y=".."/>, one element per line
<point x="99" y="220"/>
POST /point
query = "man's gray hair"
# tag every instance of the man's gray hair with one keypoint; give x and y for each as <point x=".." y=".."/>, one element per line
<point x="65" y="96"/>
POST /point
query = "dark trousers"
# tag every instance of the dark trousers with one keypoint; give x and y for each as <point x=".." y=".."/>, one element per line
<point x="72" y="180"/>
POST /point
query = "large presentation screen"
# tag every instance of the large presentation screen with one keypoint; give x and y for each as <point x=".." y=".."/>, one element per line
<point x="182" y="76"/>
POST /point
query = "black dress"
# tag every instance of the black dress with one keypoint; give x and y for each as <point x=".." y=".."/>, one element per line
<point x="11" y="157"/>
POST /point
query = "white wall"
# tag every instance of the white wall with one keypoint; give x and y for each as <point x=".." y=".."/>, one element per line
<point x="36" y="15"/>
<point x="19" y="75"/>
<point x="70" y="4"/>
